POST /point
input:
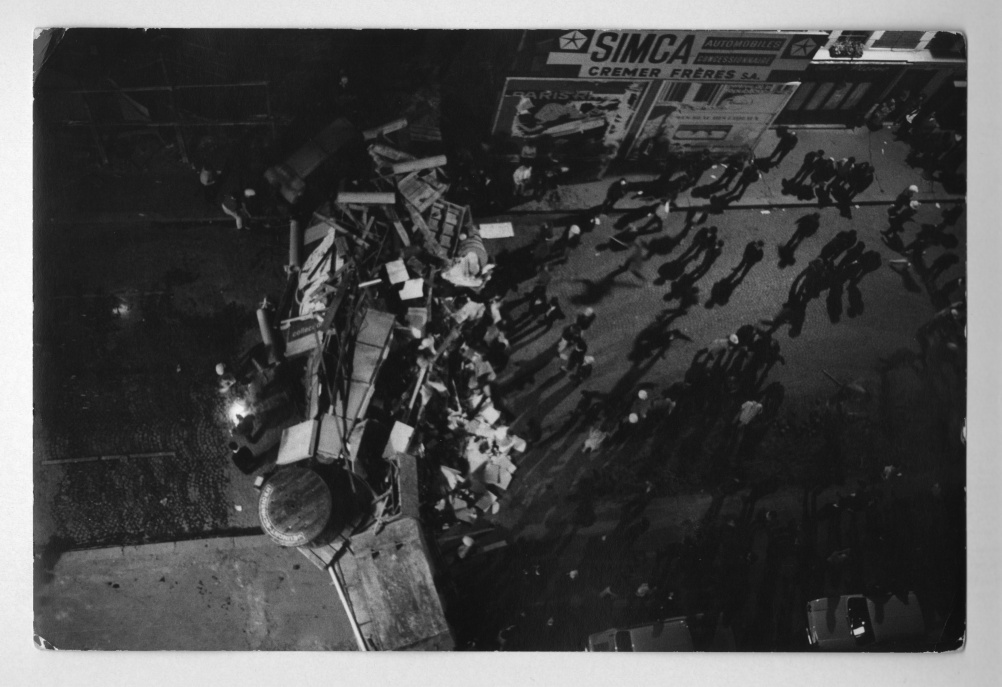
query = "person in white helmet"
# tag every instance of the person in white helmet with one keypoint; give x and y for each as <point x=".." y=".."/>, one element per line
<point x="903" y="200"/>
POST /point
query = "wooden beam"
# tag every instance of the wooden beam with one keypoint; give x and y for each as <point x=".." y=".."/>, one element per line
<point x="423" y="163"/>
<point x="367" y="198"/>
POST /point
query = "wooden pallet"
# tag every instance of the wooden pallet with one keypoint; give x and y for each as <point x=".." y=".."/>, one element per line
<point x="447" y="221"/>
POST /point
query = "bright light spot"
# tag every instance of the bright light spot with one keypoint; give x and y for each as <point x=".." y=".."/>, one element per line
<point x="238" y="407"/>
<point x="121" y="310"/>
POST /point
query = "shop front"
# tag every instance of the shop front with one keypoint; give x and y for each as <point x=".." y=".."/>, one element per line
<point x="838" y="94"/>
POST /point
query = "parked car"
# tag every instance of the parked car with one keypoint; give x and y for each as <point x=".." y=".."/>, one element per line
<point x="665" y="635"/>
<point x="859" y="623"/>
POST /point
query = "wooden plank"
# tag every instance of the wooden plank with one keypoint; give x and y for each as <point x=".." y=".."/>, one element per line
<point x="391" y="214"/>
<point x="312" y="557"/>
<point x="423" y="163"/>
<point x="388" y="128"/>
<point x="397" y="583"/>
<point x="367" y="198"/>
<point x="431" y="244"/>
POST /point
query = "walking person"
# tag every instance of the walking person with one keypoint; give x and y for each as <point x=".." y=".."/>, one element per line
<point x="233" y="205"/>
<point x="860" y="178"/>
<point x="585" y="318"/>
<point x="903" y="201"/>
<point x="749" y="175"/>
<point x="807" y="166"/>
<point x="824" y="172"/>
<point x="698" y="166"/>
<point x="617" y="190"/>
<point x="209" y="179"/>
<point x="584" y="370"/>
<point x="753" y="254"/>
<point x="843" y="171"/>
<point x="732" y="167"/>
<point x="576" y="357"/>
<point x="787" y="142"/>
<point x="538" y="297"/>
<point x="570" y="335"/>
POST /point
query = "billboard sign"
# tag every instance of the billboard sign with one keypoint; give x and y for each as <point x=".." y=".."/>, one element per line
<point x="684" y="55"/>
<point x="734" y="117"/>
<point x="592" y="116"/>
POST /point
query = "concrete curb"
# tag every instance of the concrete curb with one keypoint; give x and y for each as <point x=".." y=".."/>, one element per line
<point x="244" y="541"/>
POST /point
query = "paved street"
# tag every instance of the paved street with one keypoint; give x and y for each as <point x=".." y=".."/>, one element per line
<point x="146" y="312"/>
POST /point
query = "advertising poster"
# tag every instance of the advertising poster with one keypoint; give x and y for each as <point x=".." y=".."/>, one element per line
<point x="579" y="117"/>
<point x="684" y="55"/>
<point x="726" y="117"/>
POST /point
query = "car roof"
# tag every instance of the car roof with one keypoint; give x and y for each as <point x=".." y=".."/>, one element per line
<point x="664" y="635"/>
<point x="671" y="634"/>
<point x="891" y="619"/>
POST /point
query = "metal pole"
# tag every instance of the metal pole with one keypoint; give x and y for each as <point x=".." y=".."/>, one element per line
<point x="362" y="646"/>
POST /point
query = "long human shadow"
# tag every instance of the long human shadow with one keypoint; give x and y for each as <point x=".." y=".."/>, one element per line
<point x="595" y="291"/>
<point x="544" y="407"/>
<point x="513" y="268"/>
<point x="526" y="371"/>
<point x="807" y="226"/>
<point x="634" y="214"/>
<point x="657" y="335"/>
<point x="710" y="257"/>
<point x="723" y="289"/>
<point x="663" y="245"/>
<point x="673" y="269"/>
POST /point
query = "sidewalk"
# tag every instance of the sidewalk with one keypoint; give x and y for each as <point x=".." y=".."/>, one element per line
<point x="210" y="595"/>
<point x="879" y="148"/>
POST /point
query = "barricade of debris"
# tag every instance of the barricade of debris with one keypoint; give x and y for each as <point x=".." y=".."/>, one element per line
<point x="390" y="281"/>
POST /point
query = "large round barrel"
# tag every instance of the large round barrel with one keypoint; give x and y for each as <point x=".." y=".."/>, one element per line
<point x="294" y="506"/>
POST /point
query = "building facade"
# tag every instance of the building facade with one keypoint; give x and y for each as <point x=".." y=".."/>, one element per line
<point x="623" y="95"/>
<point x="633" y="94"/>
<point x="857" y="71"/>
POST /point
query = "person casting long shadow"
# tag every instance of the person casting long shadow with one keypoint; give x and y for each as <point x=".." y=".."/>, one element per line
<point x="709" y="258"/>
<point x="732" y="167"/>
<point x="703" y="240"/>
<point x="807" y="226"/>
<point x="721" y="292"/>
<point x="749" y="175"/>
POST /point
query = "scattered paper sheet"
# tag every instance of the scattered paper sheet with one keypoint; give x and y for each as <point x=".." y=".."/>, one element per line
<point x="765" y="212"/>
<point x="400" y="436"/>
<point x="504" y="479"/>
<point x="493" y="474"/>
<point x="453" y="477"/>
<point x="497" y="230"/>
<point x="505" y="464"/>
<point x="413" y="288"/>
<point x="396" y="271"/>
<point x="467" y="515"/>
<point x="486" y="501"/>
<point x="490" y="414"/>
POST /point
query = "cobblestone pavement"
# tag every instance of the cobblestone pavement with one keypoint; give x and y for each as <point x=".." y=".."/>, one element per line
<point x="128" y="331"/>
<point x="131" y="318"/>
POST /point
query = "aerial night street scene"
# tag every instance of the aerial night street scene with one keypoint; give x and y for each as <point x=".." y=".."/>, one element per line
<point x="500" y="340"/>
